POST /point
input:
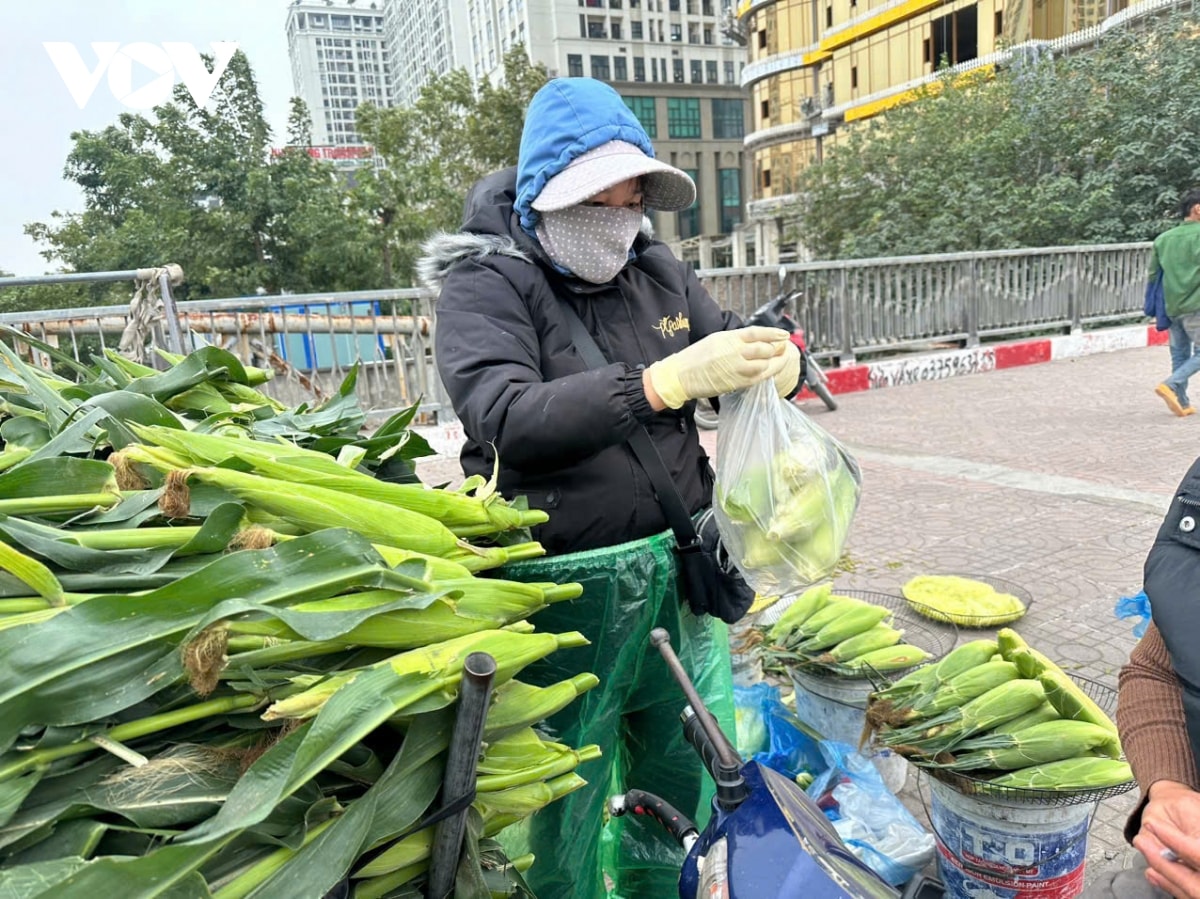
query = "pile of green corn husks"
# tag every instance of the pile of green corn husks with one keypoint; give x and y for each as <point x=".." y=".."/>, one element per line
<point x="231" y="637"/>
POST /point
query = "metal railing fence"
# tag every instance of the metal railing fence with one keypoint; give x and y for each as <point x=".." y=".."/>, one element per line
<point x="850" y="309"/>
<point x="861" y="307"/>
<point x="311" y="341"/>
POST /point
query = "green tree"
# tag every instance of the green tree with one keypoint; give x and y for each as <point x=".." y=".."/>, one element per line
<point x="32" y="297"/>
<point x="1094" y="147"/>
<point x="494" y="130"/>
<point x="433" y="151"/>
<point x="200" y="187"/>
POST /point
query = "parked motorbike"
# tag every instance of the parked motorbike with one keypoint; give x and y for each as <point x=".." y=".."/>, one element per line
<point x="775" y="314"/>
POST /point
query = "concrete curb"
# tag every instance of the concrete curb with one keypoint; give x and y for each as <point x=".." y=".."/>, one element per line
<point x="992" y="357"/>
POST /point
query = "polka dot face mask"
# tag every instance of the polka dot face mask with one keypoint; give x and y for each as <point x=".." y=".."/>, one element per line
<point x="591" y="242"/>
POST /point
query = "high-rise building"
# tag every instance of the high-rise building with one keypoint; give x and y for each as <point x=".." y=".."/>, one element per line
<point x="818" y="66"/>
<point x="338" y="61"/>
<point x="670" y="59"/>
<point x="677" y="71"/>
<point x="424" y="39"/>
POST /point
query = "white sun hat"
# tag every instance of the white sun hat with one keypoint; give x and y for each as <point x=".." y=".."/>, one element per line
<point x="664" y="187"/>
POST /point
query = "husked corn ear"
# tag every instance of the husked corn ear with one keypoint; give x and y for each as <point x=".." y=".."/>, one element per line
<point x="563" y="762"/>
<point x="1028" y="660"/>
<point x="1071" y="702"/>
<point x="520" y="800"/>
<point x="512" y="652"/>
<point x="1043" y="713"/>
<point x="804" y="607"/>
<point x="32" y="573"/>
<point x="914" y="683"/>
<point x="400" y="855"/>
<point x="805" y="510"/>
<point x="498" y="810"/>
<point x="890" y="658"/>
<point x="850" y="623"/>
<point x="441" y="663"/>
<point x="523" y="749"/>
<point x="560" y="786"/>
<point x="477" y="558"/>
<point x="516" y="705"/>
<point x="413" y="628"/>
<point x="437" y="568"/>
<point x="936" y="699"/>
<point x="942" y="733"/>
<point x="1009" y="641"/>
<point x="484" y="514"/>
<point x="878" y="637"/>
<point x="964" y="658"/>
<point x="12" y="454"/>
<point x="316" y="508"/>
<point x="1050" y="741"/>
<point x="389" y="884"/>
<point x="929" y="678"/>
<point x="828" y="613"/>
<point x="964" y="687"/>
<point x="760" y="552"/>
<point x="1088" y="773"/>
<point x="507" y="599"/>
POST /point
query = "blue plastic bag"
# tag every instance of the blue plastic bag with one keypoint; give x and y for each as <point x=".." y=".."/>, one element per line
<point x="768" y="732"/>
<point x="870" y="820"/>
<point x="1135" y="607"/>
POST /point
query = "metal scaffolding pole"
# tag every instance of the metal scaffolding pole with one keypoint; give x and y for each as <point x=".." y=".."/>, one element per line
<point x="167" y="276"/>
<point x="136" y="274"/>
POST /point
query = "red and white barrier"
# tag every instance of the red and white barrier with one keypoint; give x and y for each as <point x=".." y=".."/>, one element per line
<point x="992" y="357"/>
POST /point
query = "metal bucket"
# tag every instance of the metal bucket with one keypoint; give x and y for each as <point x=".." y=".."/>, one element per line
<point x="836" y="709"/>
<point x="990" y="848"/>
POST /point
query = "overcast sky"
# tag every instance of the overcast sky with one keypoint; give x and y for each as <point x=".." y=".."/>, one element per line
<point x="39" y="112"/>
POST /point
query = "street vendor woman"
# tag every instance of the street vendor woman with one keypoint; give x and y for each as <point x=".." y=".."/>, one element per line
<point x="566" y="229"/>
<point x="1158" y="715"/>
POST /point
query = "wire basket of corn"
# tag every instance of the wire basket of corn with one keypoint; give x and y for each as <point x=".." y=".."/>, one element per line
<point x="969" y="601"/>
<point x="932" y="642"/>
<point x="1040" y="784"/>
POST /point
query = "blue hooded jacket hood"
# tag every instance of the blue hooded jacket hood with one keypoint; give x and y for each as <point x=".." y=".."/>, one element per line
<point x="565" y="119"/>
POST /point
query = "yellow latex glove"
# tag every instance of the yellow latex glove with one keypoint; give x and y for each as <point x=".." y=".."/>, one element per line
<point x="788" y="376"/>
<point x="720" y="363"/>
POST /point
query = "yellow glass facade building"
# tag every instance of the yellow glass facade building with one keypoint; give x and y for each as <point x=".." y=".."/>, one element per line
<point x="817" y="66"/>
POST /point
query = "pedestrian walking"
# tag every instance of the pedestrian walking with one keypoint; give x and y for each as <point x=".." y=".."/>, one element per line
<point x="1176" y="255"/>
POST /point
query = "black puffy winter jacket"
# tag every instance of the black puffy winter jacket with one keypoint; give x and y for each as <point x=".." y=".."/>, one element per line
<point x="505" y="356"/>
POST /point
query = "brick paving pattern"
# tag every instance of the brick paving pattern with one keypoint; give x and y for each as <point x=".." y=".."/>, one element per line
<point x="1053" y="476"/>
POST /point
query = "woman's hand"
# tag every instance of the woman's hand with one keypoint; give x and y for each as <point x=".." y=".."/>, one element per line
<point x="719" y="363"/>
<point x="789" y="376"/>
<point x="1170" y="839"/>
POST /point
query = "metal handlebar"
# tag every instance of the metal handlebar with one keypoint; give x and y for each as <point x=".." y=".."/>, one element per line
<point x="772" y="312"/>
<point x="642" y="803"/>
<point x="731" y="786"/>
<point x="727" y="754"/>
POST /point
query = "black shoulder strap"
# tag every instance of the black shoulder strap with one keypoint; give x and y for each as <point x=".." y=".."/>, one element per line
<point x="643" y="447"/>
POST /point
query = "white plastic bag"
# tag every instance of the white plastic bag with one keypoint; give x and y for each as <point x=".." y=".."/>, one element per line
<point x="786" y="491"/>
